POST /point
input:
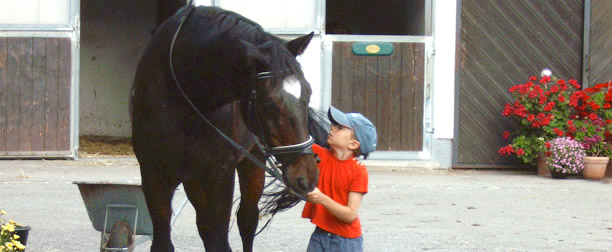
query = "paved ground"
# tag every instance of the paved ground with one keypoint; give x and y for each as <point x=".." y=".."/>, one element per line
<point x="407" y="209"/>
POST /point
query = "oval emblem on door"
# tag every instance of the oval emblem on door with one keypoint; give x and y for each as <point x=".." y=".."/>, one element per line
<point x="373" y="49"/>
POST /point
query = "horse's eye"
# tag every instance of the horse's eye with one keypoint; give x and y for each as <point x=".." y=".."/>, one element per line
<point x="271" y="109"/>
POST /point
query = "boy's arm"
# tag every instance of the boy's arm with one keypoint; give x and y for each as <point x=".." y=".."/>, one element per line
<point x="346" y="213"/>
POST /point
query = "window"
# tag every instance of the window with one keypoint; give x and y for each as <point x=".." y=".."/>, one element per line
<point x="32" y="12"/>
<point x="382" y="17"/>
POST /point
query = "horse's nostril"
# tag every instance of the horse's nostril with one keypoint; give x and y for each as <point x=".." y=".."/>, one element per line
<point x="302" y="183"/>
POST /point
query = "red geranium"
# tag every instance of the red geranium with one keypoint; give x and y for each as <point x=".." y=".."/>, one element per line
<point x="549" y="108"/>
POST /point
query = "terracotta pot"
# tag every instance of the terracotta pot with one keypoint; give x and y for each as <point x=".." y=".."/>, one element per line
<point x="542" y="166"/>
<point x="595" y="167"/>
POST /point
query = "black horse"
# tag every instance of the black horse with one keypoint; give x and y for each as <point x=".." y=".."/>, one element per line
<point x="204" y="65"/>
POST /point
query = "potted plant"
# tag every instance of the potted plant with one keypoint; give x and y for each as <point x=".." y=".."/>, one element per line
<point x="565" y="156"/>
<point x="592" y="129"/>
<point x="10" y="237"/>
<point x="542" y="108"/>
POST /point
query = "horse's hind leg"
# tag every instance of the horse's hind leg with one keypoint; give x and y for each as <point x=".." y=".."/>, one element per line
<point x="213" y="205"/>
<point x="158" y="190"/>
<point x="251" y="179"/>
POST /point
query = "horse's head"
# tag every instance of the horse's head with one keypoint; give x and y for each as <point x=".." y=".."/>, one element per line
<point x="276" y="109"/>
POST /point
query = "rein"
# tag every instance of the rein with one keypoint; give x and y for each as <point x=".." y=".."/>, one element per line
<point x="296" y="150"/>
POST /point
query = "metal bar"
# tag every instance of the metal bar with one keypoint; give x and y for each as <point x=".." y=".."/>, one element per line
<point x="429" y="15"/>
<point x="455" y="154"/>
<point x="75" y="79"/>
<point x="114" y="249"/>
<point x="378" y="38"/>
<point x="27" y="34"/>
<point x="293" y="32"/>
<point x="36" y="154"/>
<point x="35" y="27"/>
<point x="586" y="45"/>
<point x="178" y="211"/>
<point x="326" y="72"/>
<point x="320" y="13"/>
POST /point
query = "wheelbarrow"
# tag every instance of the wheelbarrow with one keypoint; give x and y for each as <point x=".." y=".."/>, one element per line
<point x="120" y="212"/>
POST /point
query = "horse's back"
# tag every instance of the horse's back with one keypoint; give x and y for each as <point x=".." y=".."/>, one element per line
<point x="165" y="128"/>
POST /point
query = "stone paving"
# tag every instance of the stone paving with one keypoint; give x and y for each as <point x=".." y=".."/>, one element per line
<point x="407" y="209"/>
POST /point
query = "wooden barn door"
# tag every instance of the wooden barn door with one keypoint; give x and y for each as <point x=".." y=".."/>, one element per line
<point x="39" y="50"/>
<point x="35" y="87"/>
<point x="599" y="65"/>
<point x="388" y="90"/>
<point x="502" y="44"/>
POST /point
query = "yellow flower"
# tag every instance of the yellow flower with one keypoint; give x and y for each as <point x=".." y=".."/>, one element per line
<point x="8" y="244"/>
<point x="8" y="228"/>
<point x="15" y="236"/>
<point x="2" y="212"/>
<point x="18" y="245"/>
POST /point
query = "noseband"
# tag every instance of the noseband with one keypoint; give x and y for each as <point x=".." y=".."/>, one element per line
<point x="287" y="154"/>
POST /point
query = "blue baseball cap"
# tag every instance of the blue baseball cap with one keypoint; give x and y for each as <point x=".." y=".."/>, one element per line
<point x="365" y="131"/>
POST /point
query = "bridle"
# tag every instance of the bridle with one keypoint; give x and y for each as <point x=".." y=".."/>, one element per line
<point x="290" y="152"/>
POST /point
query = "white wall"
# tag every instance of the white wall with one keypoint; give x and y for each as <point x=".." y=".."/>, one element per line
<point x="113" y="35"/>
<point x="444" y="68"/>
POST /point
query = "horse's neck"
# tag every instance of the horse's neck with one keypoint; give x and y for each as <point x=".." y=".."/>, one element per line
<point x="212" y="95"/>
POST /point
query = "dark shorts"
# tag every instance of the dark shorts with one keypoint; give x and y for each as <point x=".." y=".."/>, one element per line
<point x="323" y="241"/>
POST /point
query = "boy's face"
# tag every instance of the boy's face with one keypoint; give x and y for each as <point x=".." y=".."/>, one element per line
<point x="342" y="137"/>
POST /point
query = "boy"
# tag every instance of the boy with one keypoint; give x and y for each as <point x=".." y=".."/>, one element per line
<point x="343" y="181"/>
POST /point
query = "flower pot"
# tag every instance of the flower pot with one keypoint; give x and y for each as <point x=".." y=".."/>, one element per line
<point x="22" y="231"/>
<point x="595" y="167"/>
<point x="558" y="175"/>
<point x="542" y="166"/>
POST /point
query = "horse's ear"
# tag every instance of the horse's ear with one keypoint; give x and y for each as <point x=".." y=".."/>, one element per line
<point x="253" y="53"/>
<point x="298" y="45"/>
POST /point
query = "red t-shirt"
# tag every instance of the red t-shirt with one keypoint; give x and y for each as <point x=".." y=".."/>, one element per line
<point x="336" y="179"/>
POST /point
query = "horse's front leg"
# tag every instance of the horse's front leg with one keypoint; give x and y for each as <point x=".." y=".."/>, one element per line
<point x="251" y="179"/>
<point x="212" y="200"/>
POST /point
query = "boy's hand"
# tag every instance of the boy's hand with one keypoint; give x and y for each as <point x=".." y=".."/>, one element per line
<point x="316" y="196"/>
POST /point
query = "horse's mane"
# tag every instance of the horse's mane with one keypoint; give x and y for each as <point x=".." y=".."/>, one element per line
<point x="318" y="126"/>
<point x="232" y="27"/>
